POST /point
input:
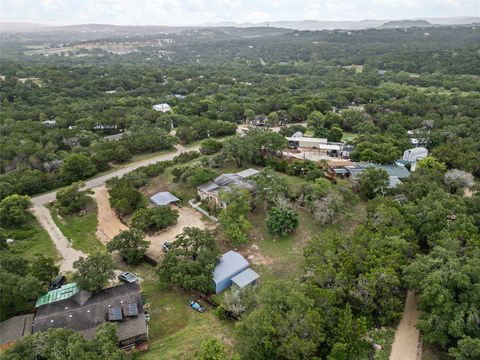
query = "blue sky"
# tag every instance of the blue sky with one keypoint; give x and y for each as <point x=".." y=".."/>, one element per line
<point x="188" y="12"/>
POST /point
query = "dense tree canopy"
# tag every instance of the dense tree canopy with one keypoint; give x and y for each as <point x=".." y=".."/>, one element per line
<point x="190" y="260"/>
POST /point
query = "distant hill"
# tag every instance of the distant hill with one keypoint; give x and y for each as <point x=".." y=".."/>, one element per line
<point x="97" y="31"/>
<point x="463" y="20"/>
<point x="402" y="24"/>
<point x="313" y="25"/>
<point x="13" y="27"/>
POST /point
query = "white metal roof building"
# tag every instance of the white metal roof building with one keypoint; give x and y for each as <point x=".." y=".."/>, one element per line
<point x="162" y="107"/>
<point x="306" y="142"/>
<point x="415" y="154"/>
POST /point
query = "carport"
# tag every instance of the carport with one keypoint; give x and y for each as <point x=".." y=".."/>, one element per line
<point x="163" y="198"/>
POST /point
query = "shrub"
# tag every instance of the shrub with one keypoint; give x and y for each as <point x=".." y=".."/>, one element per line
<point x="210" y="146"/>
<point x="281" y="220"/>
<point x="14" y="210"/>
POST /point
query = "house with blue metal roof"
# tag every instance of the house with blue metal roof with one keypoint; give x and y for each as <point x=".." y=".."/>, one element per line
<point x="233" y="268"/>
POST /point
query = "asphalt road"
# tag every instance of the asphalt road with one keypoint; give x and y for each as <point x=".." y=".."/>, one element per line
<point x="99" y="181"/>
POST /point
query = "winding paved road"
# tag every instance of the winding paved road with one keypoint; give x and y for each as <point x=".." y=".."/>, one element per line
<point x="99" y="181"/>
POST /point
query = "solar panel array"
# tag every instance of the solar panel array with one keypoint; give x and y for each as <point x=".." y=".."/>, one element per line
<point x="115" y="314"/>
<point x="131" y="309"/>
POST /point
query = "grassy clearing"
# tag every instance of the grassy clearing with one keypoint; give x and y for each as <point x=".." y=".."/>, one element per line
<point x="176" y="331"/>
<point x="80" y="229"/>
<point x="32" y="240"/>
<point x="348" y="136"/>
<point x="282" y="257"/>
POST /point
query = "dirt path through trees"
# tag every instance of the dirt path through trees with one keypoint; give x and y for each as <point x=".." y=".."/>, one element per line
<point x="109" y="225"/>
<point x="69" y="254"/>
<point x="407" y="338"/>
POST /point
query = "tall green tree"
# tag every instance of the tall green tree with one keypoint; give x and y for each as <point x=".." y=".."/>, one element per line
<point x="335" y="134"/>
<point x="72" y="198"/>
<point x="76" y="167"/>
<point x="14" y="210"/>
<point x="131" y="245"/>
<point x="233" y="218"/>
<point x="373" y="182"/>
<point x="285" y="325"/>
<point x="93" y="272"/>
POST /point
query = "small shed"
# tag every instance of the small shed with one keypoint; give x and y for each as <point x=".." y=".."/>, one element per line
<point x="163" y="198"/>
<point x="230" y="264"/>
<point x="245" y="278"/>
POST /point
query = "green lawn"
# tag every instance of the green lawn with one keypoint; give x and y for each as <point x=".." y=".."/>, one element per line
<point x="32" y="240"/>
<point x="282" y="257"/>
<point x="80" y="229"/>
<point x="176" y="331"/>
<point x="348" y="136"/>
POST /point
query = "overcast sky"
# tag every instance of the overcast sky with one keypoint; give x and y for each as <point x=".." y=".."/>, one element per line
<point x="192" y="12"/>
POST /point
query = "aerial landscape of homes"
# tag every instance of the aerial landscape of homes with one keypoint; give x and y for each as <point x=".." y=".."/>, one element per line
<point x="285" y="190"/>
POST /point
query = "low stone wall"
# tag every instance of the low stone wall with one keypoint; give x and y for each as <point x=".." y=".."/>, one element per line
<point x="197" y="207"/>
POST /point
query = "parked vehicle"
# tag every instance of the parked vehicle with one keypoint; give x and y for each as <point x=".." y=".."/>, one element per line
<point x="166" y="246"/>
<point x="196" y="306"/>
<point x="57" y="283"/>
<point x="146" y="315"/>
<point x="128" y="277"/>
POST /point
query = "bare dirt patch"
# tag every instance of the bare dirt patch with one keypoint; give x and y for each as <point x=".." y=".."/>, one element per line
<point x="406" y="345"/>
<point x="188" y="217"/>
<point x="253" y="254"/>
<point x="109" y="225"/>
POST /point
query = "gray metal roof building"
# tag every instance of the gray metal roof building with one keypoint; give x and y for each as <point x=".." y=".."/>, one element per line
<point x="226" y="181"/>
<point x="246" y="277"/>
<point x="163" y="198"/>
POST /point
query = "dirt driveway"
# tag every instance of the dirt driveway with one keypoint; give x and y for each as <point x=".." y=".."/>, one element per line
<point x="69" y="254"/>
<point x="109" y="225"/>
<point x="188" y="217"/>
<point x="407" y="338"/>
